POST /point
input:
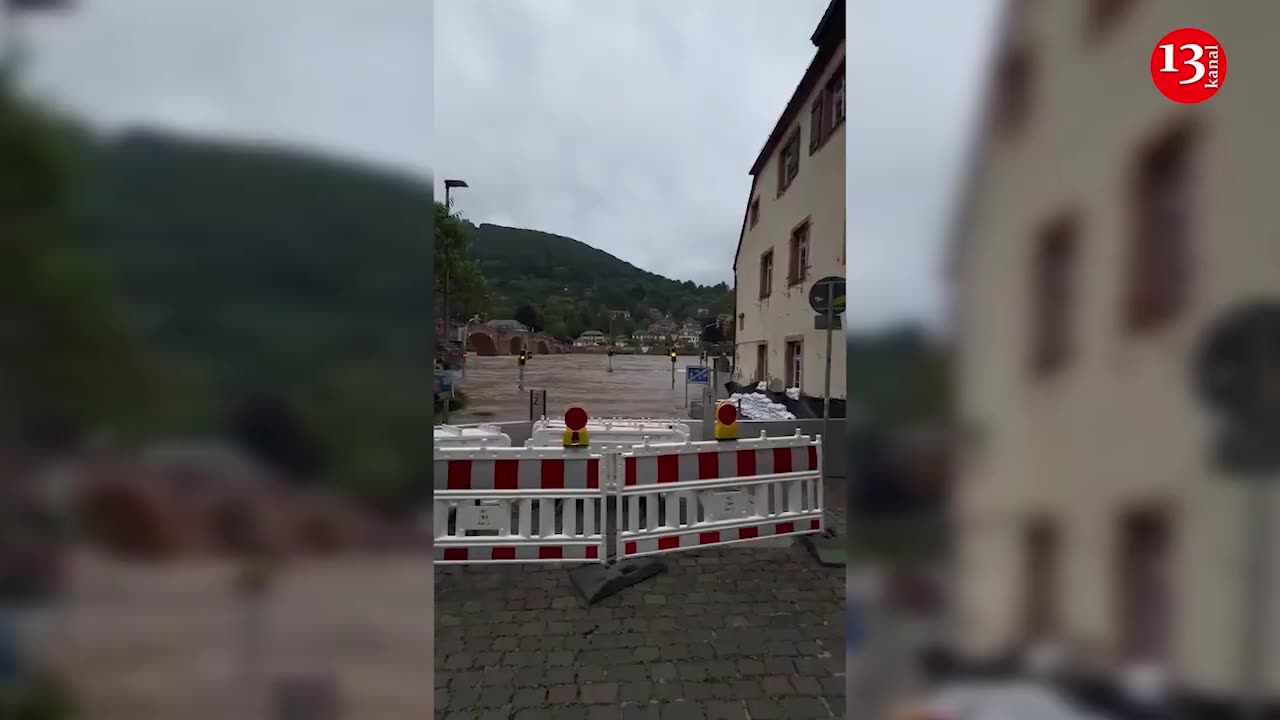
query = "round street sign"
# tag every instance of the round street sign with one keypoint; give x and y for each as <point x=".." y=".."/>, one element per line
<point x="1237" y="371"/>
<point x="818" y="294"/>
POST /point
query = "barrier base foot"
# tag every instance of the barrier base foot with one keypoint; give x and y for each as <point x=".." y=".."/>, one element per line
<point x="828" y="550"/>
<point x="597" y="582"/>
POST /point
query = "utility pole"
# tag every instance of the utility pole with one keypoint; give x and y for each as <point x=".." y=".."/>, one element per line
<point x="448" y="208"/>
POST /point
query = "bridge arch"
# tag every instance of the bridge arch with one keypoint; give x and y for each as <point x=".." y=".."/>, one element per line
<point x="543" y="348"/>
<point x="482" y="343"/>
<point x="515" y="344"/>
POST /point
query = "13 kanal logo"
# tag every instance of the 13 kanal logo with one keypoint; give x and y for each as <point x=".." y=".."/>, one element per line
<point x="1188" y="65"/>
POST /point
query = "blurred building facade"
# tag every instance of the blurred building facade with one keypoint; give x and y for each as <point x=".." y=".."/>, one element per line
<point x="1102" y="228"/>
<point x="793" y="227"/>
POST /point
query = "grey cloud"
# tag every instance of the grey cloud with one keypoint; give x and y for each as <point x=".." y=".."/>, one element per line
<point x="350" y="78"/>
<point x="628" y="125"/>
<point x="910" y="119"/>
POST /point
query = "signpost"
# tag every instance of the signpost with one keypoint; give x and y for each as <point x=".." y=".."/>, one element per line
<point x="695" y="375"/>
<point x="1237" y="375"/>
<point x="827" y="298"/>
<point x="537" y="405"/>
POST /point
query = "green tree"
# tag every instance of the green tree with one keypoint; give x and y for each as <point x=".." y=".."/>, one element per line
<point x="468" y="294"/>
<point x="67" y="362"/>
<point x="529" y="316"/>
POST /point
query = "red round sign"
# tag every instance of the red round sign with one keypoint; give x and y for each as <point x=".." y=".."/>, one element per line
<point x="727" y="414"/>
<point x="575" y="418"/>
<point x="1188" y="65"/>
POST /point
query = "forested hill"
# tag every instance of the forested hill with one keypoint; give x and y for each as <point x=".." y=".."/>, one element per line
<point x="269" y="281"/>
<point x="573" y="284"/>
<point x="220" y="228"/>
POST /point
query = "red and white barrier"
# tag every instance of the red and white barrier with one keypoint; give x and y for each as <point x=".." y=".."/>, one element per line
<point x="612" y="431"/>
<point x="496" y="505"/>
<point x="677" y="496"/>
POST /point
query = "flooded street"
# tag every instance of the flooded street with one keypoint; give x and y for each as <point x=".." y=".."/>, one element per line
<point x="639" y="386"/>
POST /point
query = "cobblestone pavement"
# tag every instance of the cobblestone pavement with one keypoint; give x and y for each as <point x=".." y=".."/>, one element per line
<point x="738" y="632"/>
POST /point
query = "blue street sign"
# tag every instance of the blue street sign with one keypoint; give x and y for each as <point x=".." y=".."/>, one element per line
<point x="697" y="375"/>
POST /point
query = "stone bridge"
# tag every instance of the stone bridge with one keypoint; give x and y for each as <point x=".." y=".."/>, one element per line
<point x="486" y="340"/>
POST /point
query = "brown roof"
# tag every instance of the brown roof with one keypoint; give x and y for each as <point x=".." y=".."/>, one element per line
<point x="827" y="37"/>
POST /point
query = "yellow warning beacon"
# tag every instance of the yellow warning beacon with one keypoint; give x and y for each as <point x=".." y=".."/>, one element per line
<point x="726" y="421"/>
<point x="575" y="427"/>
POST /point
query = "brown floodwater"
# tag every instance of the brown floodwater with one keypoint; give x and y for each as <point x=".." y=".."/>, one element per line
<point x="639" y="386"/>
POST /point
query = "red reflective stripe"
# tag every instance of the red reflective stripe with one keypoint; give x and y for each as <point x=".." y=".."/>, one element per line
<point x="668" y="543"/>
<point x="784" y="528"/>
<point x="815" y="524"/>
<point x="747" y="533"/>
<point x="630" y="471"/>
<point x="708" y="538"/>
<point x="708" y="465"/>
<point x="668" y="468"/>
<point x="459" y="475"/>
<point x="505" y="473"/>
<point x="455" y="553"/>
<point x="629" y="548"/>
<point x="746" y="463"/>
<point x="782" y="460"/>
<point x="813" y="457"/>
<point x="553" y="474"/>
<point x="550" y="552"/>
<point x="593" y="474"/>
<point x="593" y="552"/>
<point x="504" y="553"/>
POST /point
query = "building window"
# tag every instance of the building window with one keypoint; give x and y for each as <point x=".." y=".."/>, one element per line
<point x="1040" y="571"/>
<point x="1144" y="584"/>
<point x="1104" y="14"/>
<point x="755" y="212"/>
<point x="1160" y="243"/>
<point x="1054" y="270"/>
<point x="798" y="260"/>
<point x="1013" y="90"/>
<point x="762" y="362"/>
<point x="816" y="122"/>
<point x="766" y="274"/>
<point x="827" y="111"/>
<point x="789" y="161"/>
<point x="835" y="91"/>
<point x="795" y="363"/>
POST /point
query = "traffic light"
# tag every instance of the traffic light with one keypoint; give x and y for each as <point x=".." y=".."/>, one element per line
<point x="523" y="356"/>
<point x="672" y="352"/>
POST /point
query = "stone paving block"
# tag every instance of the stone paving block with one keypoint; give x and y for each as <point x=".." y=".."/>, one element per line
<point x="600" y="693"/>
<point x="640" y="712"/>
<point x="682" y="711"/>
<point x="804" y="708"/>
<point x="723" y="633"/>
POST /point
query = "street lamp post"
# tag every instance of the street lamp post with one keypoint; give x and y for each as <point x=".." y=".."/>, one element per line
<point x="448" y="208"/>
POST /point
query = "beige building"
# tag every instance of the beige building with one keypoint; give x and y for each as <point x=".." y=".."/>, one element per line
<point x="793" y="228"/>
<point x="1102" y="229"/>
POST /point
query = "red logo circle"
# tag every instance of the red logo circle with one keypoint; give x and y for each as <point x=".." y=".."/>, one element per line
<point x="1188" y="65"/>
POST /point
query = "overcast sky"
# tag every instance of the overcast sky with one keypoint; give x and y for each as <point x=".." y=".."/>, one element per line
<point x="628" y="125"/>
